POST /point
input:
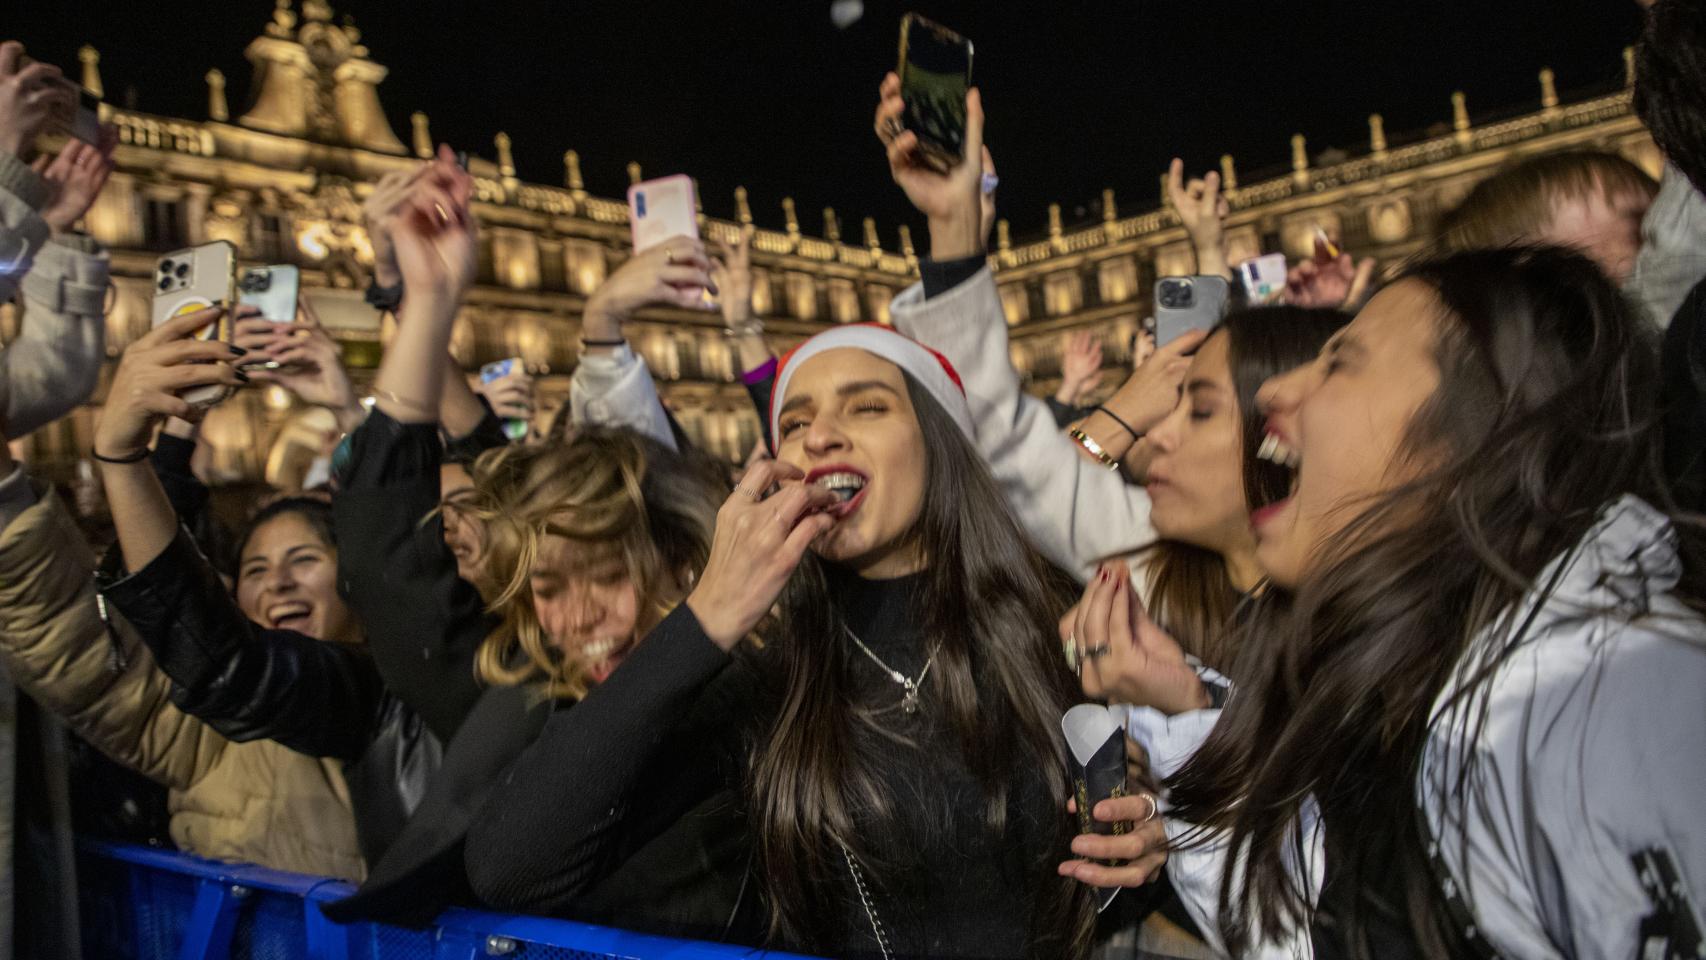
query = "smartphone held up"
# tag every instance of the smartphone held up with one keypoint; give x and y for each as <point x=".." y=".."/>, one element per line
<point x="935" y="73"/>
<point x="186" y="281"/>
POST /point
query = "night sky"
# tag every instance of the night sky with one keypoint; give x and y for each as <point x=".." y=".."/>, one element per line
<point x="771" y="95"/>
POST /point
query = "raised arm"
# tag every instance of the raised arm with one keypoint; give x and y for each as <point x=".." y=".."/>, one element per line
<point x="316" y="697"/>
<point x="424" y="623"/>
<point x="612" y="386"/>
<point x="1077" y="511"/>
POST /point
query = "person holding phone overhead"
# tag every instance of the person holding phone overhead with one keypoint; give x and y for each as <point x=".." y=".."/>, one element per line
<point x="55" y="361"/>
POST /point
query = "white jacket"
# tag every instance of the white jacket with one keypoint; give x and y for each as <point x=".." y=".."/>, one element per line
<point x="55" y="361"/>
<point x="1590" y="754"/>
<point x="1077" y="512"/>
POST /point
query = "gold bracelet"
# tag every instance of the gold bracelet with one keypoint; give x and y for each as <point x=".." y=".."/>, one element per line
<point x="1095" y="449"/>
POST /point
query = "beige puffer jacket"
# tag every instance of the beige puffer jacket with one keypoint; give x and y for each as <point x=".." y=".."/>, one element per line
<point x="257" y="802"/>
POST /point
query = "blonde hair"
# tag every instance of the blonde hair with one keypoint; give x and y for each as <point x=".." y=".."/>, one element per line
<point x="609" y="493"/>
<point x="1518" y="203"/>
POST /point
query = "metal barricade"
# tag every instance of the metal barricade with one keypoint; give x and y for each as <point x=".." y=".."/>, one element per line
<point x="144" y="904"/>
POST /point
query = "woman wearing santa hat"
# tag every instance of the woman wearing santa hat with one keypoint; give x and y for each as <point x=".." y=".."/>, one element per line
<point x="895" y="732"/>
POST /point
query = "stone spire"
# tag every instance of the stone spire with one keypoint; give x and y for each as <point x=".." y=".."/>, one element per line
<point x="743" y="209"/>
<point x="572" y="173"/>
<point x="314" y="82"/>
<point x="91" y="59"/>
<point x="422" y="135"/>
<point x="1377" y="134"/>
<point x="634" y="174"/>
<point x="1460" y="119"/>
<point x="217" y="109"/>
<point x="1228" y="173"/>
<point x="1299" y="159"/>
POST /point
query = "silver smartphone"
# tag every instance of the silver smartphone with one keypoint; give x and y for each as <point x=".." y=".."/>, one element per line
<point x="1183" y="304"/>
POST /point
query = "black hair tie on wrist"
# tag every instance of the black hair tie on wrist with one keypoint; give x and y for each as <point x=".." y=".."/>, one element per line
<point x="136" y="457"/>
<point x="603" y="343"/>
<point x="1115" y="418"/>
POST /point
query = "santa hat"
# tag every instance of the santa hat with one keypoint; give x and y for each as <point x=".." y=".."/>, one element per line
<point x="929" y="368"/>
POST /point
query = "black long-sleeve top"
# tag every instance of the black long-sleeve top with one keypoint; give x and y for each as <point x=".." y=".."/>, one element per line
<point x="423" y="622"/>
<point x="676" y="722"/>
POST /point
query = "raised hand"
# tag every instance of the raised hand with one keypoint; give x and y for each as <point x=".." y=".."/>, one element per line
<point x="310" y="362"/>
<point x="434" y="233"/>
<point x="733" y="276"/>
<point x="1080" y="367"/>
<point x="29" y="98"/>
<point x="76" y="177"/>
<point x="512" y="395"/>
<point x="952" y="201"/>
<point x="380" y="214"/>
<point x="673" y="274"/>
<point x="1141" y="850"/>
<point x="1122" y="656"/>
<point x="758" y="542"/>
<point x="1202" y="210"/>
<point x="1329" y="281"/>
<point x="159" y="366"/>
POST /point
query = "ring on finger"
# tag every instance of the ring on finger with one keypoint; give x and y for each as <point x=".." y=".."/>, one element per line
<point x="743" y="491"/>
<point x="1091" y="653"/>
<point x="1154" y="807"/>
<point x="669" y="257"/>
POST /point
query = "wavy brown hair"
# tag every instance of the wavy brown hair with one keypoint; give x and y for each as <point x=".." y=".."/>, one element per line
<point x="1188" y="590"/>
<point x="1545" y="413"/>
<point x="607" y="492"/>
<point x="993" y="602"/>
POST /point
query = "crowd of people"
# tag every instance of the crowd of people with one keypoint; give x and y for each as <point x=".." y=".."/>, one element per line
<point x="1395" y="585"/>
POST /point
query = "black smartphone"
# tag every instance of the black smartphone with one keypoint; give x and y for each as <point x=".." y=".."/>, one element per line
<point x="935" y="73"/>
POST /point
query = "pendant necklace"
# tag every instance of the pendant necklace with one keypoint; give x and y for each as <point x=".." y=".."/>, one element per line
<point x="909" y="701"/>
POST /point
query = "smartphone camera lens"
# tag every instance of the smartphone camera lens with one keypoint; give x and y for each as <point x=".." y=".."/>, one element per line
<point x="165" y="283"/>
<point x="183" y="270"/>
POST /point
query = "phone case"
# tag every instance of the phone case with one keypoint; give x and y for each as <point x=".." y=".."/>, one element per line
<point x="661" y="209"/>
<point x="189" y="280"/>
<point x="1207" y="304"/>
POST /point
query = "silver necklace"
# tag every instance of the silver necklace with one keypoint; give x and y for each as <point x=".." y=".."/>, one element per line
<point x="909" y="702"/>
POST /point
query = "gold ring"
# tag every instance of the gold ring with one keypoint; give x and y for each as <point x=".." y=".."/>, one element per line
<point x="1154" y="807"/>
<point x="669" y="256"/>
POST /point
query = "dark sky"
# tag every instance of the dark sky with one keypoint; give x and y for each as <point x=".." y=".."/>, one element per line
<point x="771" y="95"/>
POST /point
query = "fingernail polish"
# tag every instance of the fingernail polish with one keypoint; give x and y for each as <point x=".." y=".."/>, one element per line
<point x="242" y="377"/>
<point x="236" y="351"/>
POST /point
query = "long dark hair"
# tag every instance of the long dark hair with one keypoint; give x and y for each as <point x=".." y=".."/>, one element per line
<point x="1188" y="590"/>
<point x="993" y="603"/>
<point x="1545" y="412"/>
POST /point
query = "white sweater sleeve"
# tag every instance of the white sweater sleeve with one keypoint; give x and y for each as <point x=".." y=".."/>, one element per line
<point x="616" y="390"/>
<point x="1077" y="512"/>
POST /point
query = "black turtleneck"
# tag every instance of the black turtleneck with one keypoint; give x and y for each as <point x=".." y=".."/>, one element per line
<point x="675" y="723"/>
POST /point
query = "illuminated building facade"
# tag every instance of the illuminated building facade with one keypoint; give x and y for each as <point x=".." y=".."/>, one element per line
<point x="285" y="180"/>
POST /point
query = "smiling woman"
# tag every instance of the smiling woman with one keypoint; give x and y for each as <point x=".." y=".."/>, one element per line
<point x="896" y="736"/>
<point x="287" y="571"/>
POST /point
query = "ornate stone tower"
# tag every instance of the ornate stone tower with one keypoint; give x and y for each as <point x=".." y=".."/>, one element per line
<point x="314" y="82"/>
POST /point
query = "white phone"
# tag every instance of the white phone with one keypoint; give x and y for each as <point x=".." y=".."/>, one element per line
<point x="1263" y="277"/>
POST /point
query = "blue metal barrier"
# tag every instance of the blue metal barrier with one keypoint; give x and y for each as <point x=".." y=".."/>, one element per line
<point x="143" y="904"/>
